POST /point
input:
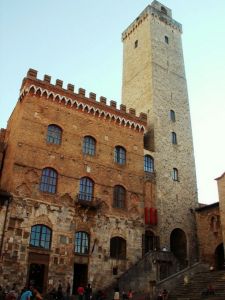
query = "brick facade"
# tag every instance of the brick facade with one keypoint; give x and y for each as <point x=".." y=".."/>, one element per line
<point x="28" y="153"/>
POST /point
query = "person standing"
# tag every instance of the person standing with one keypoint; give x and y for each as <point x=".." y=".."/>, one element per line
<point x="80" y="292"/>
<point x="27" y="294"/>
<point x="88" y="292"/>
<point x="116" y="293"/>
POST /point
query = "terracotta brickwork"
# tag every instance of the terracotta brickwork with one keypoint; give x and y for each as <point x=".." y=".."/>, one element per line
<point x="209" y="232"/>
<point x="41" y="104"/>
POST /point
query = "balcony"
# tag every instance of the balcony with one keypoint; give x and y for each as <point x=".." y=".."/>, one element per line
<point x="88" y="201"/>
<point x="150" y="176"/>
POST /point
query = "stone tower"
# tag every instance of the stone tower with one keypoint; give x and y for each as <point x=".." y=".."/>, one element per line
<point x="154" y="82"/>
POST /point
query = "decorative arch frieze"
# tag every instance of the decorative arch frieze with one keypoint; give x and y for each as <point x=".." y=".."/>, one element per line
<point x="81" y="106"/>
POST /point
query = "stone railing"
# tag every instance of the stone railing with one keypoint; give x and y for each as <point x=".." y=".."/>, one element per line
<point x="153" y="267"/>
<point x="88" y="201"/>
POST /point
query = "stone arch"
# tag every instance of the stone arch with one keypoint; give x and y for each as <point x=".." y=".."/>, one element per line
<point x="150" y="241"/>
<point x="44" y="94"/>
<point x="51" y="96"/>
<point x="178" y="245"/>
<point x="38" y="92"/>
<point x="214" y="223"/>
<point x="219" y="257"/>
<point x="43" y="219"/>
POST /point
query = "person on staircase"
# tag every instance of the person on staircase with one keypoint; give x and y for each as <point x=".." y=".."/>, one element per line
<point x="165" y="295"/>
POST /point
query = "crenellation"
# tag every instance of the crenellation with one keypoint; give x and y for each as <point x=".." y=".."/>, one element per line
<point x="70" y="87"/>
<point x="81" y="92"/>
<point x="155" y="10"/>
<point x="47" y="78"/>
<point x="143" y="117"/>
<point x="113" y="104"/>
<point x="32" y="73"/>
<point x="43" y="88"/>
<point x="59" y="83"/>
<point x="123" y="108"/>
<point x="102" y="100"/>
<point x="92" y="96"/>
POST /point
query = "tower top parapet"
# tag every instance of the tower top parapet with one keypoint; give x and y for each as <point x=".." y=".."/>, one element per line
<point x="157" y="10"/>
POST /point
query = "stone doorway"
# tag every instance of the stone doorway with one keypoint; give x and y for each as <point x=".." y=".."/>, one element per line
<point x="178" y="246"/>
<point x="80" y="276"/>
<point x="37" y="274"/>
<point x="219" y="257"/>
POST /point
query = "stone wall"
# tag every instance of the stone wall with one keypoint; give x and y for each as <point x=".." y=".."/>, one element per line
<point x="209" y="232"/>
<point x="221" y="192"/>
<point x="154" y="82"/>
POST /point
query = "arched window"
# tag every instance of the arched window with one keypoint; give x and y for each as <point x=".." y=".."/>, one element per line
<point x="172" y="115"/>
<point x="89" y="145"/>
<point x="82" y="242"/>
<point x="118" y="248"/>
<point x="48" y="180"/>
<point x="120" y="155"/>
<point x="41" y="236"/>
<point x="148" y="164"/>
<point x="119" y="196"/>
<point x="54" y="134"/>
<point x="175" y="174"/>
<point x="166" y="39"/>
<point x="86" y="189"/>
<point x="174" y="138"/>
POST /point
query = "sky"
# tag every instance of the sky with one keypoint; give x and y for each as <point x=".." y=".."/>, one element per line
<point x="79" y="42"/>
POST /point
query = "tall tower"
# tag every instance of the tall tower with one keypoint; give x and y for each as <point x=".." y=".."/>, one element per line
<point x="154" y="82"/>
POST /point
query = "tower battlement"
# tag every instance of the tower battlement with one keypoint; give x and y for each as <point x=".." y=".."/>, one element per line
<point x="157" y="10"/>
<point x="55" y="92"/>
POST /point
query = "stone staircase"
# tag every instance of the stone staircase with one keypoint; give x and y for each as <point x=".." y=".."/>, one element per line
<point x="197" y="284"/>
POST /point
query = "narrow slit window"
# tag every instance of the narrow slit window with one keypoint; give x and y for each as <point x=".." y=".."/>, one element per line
<point x="175" y="174"/>
<point x="174" y="138"/>
<point x="172" y="116"/>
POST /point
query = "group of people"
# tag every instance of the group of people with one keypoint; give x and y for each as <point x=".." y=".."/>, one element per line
<point x="14" y="293"/>
<point x="33" y="293"/>
<point x="125" y="295"/>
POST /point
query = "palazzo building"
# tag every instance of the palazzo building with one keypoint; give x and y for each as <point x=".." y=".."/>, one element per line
<point x="89" y="188"/>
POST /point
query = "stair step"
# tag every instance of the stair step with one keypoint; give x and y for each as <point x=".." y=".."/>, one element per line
<point x="198" y="283"/>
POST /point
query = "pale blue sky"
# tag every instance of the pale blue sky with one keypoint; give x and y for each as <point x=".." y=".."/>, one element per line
<point x="79" y="41"/>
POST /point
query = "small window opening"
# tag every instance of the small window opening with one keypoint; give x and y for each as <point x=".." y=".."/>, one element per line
<point x="136" y="44"/>
<point x="166" y="39"/>
<point x="172" y="116"/>
<point x="163" y="10"/>
<point x="175" y="174"/>
<point x="174" y="138"/>
<point x="115" y="270"/>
